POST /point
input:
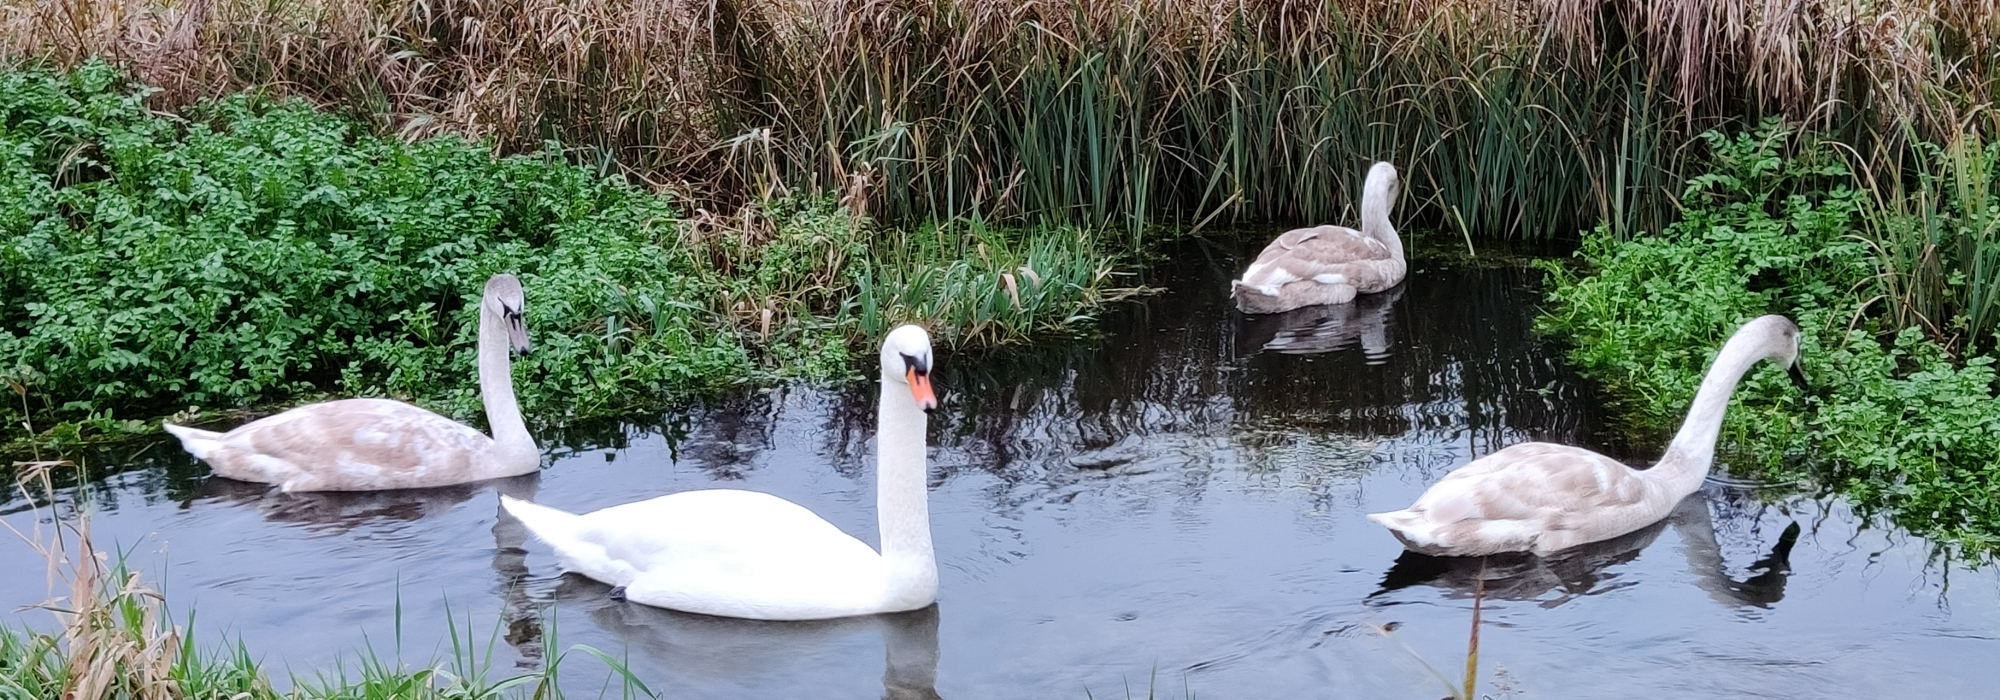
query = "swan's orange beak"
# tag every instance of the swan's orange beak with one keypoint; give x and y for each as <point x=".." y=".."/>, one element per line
<point x="920" y="389"/>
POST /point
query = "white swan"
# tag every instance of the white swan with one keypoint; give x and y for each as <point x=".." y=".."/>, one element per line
<point x="753" y="555"/>
<point x="1542" y="498"/>
<point x="1329" y="264"/>
<point x="370" y="444"/>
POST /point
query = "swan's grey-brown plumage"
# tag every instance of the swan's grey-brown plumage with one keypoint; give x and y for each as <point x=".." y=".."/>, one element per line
<point x="1329" y="264"/>
<point x="372" y="444"/>
<point x="1543" y="498"/>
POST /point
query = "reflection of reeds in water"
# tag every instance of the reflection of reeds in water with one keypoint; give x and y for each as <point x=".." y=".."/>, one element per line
<point x="1460" y="346"/>
<point x="1185" y="373"/>
<point x="1176" y="372"/>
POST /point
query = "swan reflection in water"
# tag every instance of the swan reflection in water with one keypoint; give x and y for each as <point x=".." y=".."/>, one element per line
<point x="724" y="646"/>
<point x="340" y="511"/>
<point x="1581" y="571"/>
<point x="1328" y="327"/>
<point x="737" y="648"/>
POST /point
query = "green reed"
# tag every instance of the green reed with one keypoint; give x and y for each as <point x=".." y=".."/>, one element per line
<point x="1510" y="118"/>
<point x="1937" y="242"/>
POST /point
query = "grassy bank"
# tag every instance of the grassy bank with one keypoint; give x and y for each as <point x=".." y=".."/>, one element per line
<point x="248" y="251"/>
<point x="1895" y="298"/>
<point x="1510" y="117"/>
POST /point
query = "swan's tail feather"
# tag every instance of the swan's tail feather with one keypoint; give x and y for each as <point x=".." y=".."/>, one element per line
<point x="196" y="441"/>
<point x="560" y="529"/>
<point x="1253" y="299"/>
<point x="1243" y="286"/>
<point x="1408" y="526"/>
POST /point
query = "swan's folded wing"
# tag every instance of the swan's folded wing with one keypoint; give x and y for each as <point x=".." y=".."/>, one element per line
<point x="1321" y="253"/>
<point x="725" y="535"/>
<point x="352" y="443"/>
<point x="1532" y="481"/>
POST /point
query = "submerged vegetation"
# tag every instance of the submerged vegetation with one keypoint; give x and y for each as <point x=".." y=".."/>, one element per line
<point x="1904" y="414"/>
<point x="251" y="251"/>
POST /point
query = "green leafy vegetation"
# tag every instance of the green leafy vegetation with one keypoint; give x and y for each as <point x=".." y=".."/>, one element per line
<point x="251" y="251"/>
<point x="1510" y="118"/>
<point x="1901" y="419"/>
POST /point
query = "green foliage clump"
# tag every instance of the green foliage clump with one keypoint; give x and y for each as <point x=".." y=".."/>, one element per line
<point x="262" y="251"/>
<point x="1895" y="420"/>
<point x="992" y="287"/>
<point x="251" y="252"/>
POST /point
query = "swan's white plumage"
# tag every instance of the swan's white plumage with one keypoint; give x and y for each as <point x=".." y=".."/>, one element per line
<point x="753" y="555"/>
<point x="372" y="444"/>
<point x="1543" y="498"/>
<point x="720" y="552"/>
<point x="1329" y="264"/>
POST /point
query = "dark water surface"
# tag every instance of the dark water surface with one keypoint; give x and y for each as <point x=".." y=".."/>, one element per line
<point x="1179" y="503"/>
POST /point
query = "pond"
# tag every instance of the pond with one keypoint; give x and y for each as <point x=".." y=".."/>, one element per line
<point x="1173" y="508"/>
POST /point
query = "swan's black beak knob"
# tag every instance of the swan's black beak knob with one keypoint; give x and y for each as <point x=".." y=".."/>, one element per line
<point x="1799" y="378"/>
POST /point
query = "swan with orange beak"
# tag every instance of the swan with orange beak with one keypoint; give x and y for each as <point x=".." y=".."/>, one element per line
<point x="917" y="372"/>
<point x="747" y="554"/>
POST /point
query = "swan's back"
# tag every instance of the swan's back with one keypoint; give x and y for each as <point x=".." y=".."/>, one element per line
<point x="719" y="552"/>
<point x="347" y="445"/>
<point x="1535" y="496"/>
<point x="1317" y="253"/>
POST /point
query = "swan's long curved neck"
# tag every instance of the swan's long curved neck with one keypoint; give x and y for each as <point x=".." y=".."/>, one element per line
<point x="496" y="388"/>
<point x="902" y="498"/>
<point x="1375" y="214"/>
<point x="1688" y="457"/>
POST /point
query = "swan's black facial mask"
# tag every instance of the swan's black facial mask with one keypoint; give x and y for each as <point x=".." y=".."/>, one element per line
<point x="517" y="327"/>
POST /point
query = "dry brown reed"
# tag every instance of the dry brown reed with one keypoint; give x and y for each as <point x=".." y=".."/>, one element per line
<point x="116" y="641"/>
<point x="1511" y="117"/>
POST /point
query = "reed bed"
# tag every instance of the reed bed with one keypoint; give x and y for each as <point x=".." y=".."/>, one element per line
<point x="1936" y="241"/>
<point x="1511" y="118"/>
